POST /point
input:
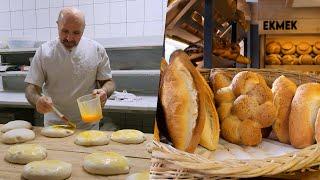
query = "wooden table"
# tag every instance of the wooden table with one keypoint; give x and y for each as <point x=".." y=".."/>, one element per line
<point x="64" y="149"/>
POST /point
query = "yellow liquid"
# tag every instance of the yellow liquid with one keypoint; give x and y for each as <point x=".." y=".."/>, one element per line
<point x="91" y="118"/>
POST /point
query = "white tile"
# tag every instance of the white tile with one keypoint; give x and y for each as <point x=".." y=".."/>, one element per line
<point x="101" y="13"/>
<point x="30" y="33"/>
<point x="164" y="11"/>
<point x="5" y="34"/>
<point x="42" y="18"/>
<point x="82" y="2"/>
<point x="153" y="10"/>
<point x="102" y="31"/>
<point x="118" y="12"/>
<point x="15" y="5"/>
<point x="16" y="20"/>
<point x="43" y="34"/>
<point x="115" y="0"/>
<point x="17" y="33"/>
<point x="42" y="4"/>
<point x="118" y="30"/>
<point x="53" y="16"/>
<point x="5" y="6"/>
<point x="29" y="19"/>
<point x="88" y="13"/>
<point x="53" y="33"/>
<point x="29" y="4"/>
<point x="135" y="10"/>
<point x="153" y="28"/>
<point x="89" y="32"/>
<point x="73" y="3"/>
<point x="100" y="1"/>
<point x="5" y="21"/>
<point x="56" y="3"/>
<point x="135" y="29"/>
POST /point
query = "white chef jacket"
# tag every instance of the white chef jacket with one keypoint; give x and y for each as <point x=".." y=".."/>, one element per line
<point x="66" y="75"/>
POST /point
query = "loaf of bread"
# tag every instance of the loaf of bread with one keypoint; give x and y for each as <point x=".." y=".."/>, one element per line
<point x="304" y="48"/>
<point x="304" y="116"/>
<point x="289" y="60"/>
<point x="283" y="90"/>
<point x="273" y="47"/>
<point x="188" y="106"/>
<point x="244" y="106"/>
<point x="273" y="59"/>
<point x="305" y="59"/>
<point x="288" y="48"/>
<point x="316" y="48"/>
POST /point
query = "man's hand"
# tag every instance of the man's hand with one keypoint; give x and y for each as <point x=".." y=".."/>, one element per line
<point x="44" y="104"/>
<point x="102" y="94"/>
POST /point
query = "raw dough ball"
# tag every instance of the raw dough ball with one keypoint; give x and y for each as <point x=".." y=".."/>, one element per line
<point x="57" y="131"/>
<point x="25" y="153"/>
<point x="17" y="124"/>
<point x="106" y="163"/>
<point x="139" y="176"/>
<point x="47" y="170"/>
<point x="17" y="136"/>
<point x="128" y="136"/>
<point x="92" y="138"/>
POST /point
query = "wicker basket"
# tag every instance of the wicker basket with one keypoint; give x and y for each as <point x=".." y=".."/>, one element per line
<point x="170" y="163"/>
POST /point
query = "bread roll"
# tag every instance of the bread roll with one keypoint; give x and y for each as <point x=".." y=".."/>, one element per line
<point x="188" y="107"/>
<point x="304" y="48"/>
<point x="57" y="131"/>
<point x="16" y="124"/>
<point x="244" y="108"/>
<point x="92" y="138"/>
<point x="17" y="136"/>
<point x="273" y="59"/>
<point x="288" y="48"/>
<point x="306" y="59"/>
<point x="316" y="48"/>
<point x="242" y="60"/>
<point x="219" y="79"/>
<point x="128" y="136"/>
<point x="304" y="110"/>
<point x="283" y="90"/>
<point x="25" y="153"/>
<point x="47" y="170"/>
<point x="273" y="47"/>
<point x="289" y="60"/>
<point x="317" y="60"/>
<point x="106" y="163"/>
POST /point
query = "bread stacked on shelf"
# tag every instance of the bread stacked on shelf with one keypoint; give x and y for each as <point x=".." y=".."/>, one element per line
<point x="288" y="53"/>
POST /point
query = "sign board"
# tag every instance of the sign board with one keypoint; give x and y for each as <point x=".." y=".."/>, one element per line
<point x="289" y="26"/>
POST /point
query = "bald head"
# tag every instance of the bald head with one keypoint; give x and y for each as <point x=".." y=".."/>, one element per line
<point x="71" y="14"/>
<point x="71" y="26"/>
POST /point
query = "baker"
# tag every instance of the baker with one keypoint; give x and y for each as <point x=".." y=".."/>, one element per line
<point x="67" y="68"/>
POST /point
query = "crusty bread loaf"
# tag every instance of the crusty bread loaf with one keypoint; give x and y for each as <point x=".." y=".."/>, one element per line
<point x="283" y="90"/>
<point x="304" y="111"/>
<point x="188" y="105"/>
<point x="244" y="107"/>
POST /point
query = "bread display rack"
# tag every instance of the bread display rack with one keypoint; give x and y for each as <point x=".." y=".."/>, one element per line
<point x="270" y="158"/>
<point x="289" y="36"/>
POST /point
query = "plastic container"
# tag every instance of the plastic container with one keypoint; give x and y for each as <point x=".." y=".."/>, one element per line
<point x="90" y="108"/>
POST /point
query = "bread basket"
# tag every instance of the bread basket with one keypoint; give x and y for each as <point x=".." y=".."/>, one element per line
<point x="170" y="163"/>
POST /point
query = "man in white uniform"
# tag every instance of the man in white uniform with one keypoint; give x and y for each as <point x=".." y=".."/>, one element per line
<point x="67" y="68"/>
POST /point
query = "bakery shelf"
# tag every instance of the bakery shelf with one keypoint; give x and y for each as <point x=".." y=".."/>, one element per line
<point x="294" y="67"/>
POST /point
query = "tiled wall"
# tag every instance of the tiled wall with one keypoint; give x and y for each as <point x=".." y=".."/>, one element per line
<point x="104" y="18"/>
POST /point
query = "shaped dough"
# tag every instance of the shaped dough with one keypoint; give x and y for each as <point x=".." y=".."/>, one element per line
<point x="57" y="131"/>
<point x="25" y="153"/>
<point x="17" y="136"/>
<point x="128" y="136"/>
<point x="106" y="163"/>
<point x="92" y="138"/>
<point x="17" y="124"/>
<point x="47" y="170"/>
<point x="139" y="176"/>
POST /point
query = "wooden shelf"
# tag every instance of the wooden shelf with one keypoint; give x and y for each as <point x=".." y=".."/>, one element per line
<point x="302" y="68"/>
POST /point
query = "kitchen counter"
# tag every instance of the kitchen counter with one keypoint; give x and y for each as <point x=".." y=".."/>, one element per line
<point x="146" y="103"/>
<point x="64" y="149"/>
